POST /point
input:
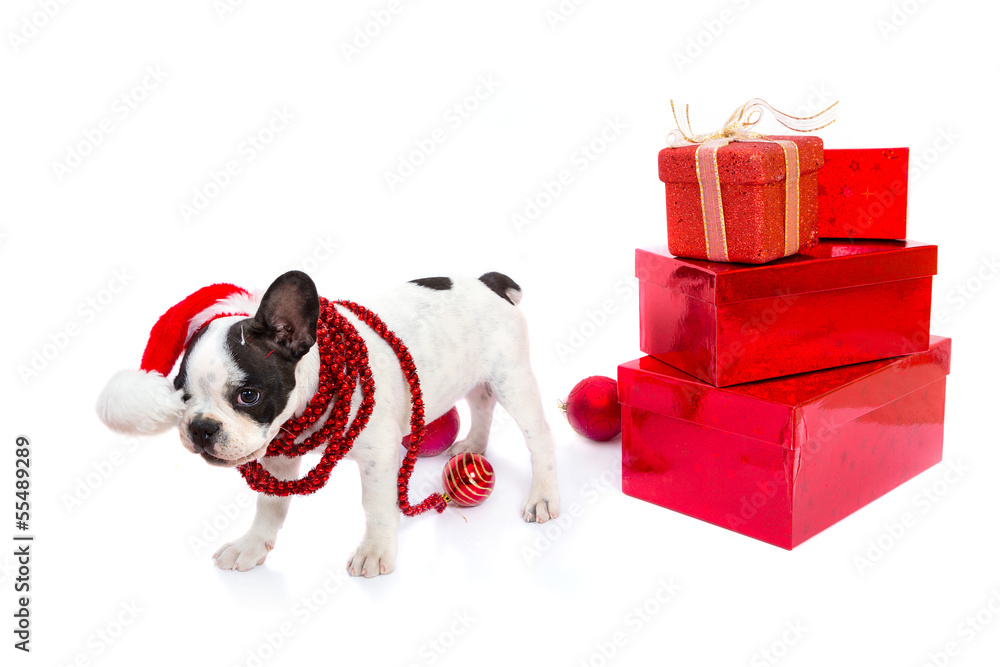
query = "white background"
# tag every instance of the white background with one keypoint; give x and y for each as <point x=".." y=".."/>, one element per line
<point x="119" y="522"/>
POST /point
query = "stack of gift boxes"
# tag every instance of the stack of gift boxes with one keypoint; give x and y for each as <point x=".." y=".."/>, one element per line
<point x="790" y="377"/>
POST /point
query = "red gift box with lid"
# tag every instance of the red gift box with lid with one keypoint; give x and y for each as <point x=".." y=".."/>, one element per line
<point x="839" y="302"/>
<point x="781" y="460"/>
<point x="752" y="192"/>
<point x="862" y="193"/>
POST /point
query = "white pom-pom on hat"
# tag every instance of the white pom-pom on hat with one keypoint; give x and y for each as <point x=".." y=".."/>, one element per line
<point x="144" y="401"/>
<point x="139" y="402"/>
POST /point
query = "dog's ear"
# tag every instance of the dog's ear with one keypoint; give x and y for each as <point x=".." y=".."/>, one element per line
<point x="288" y="312"/>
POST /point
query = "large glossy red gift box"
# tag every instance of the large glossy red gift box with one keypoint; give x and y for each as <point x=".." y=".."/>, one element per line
<point x="862" y="193"/>
<point x="839" y="302"/>
<point x="781" y="460"/>
<point x="752" y="177"/>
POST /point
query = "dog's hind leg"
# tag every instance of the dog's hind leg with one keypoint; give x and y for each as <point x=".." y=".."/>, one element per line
<point x="482" y="399"/>
<point x="517" y="391"/>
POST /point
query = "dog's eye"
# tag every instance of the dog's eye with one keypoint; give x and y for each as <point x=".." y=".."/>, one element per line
<point x="248" y="396"/>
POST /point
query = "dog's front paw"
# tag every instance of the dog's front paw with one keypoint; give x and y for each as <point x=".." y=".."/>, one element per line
<point x="244" y="554"/>
<point x="372" y="559"/>
<point x="541" y="505"/>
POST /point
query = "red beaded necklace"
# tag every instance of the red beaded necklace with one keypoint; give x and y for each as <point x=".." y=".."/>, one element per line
<point x="343" y="365"/>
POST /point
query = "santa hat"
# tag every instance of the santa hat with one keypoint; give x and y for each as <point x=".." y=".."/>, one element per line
<point x="144" y="401"/>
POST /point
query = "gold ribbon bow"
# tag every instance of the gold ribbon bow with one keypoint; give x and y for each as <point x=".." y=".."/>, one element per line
<point x="738" y="128"/>
<point x="745" y="117"/>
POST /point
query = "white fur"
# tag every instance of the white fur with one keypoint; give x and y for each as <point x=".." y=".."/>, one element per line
<point x="139" y="402"/>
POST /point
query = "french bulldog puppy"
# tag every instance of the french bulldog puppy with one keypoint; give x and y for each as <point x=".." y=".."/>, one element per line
<point x="242" y="377"/>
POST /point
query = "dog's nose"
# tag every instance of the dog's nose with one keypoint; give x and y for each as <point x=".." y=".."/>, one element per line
<point x="202" y="433"/>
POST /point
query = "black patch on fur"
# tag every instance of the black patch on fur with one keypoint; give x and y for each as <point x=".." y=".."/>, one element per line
<point x="500" y="283"/>
<point x="273" y="376"/>
<point x="439" y="283"/>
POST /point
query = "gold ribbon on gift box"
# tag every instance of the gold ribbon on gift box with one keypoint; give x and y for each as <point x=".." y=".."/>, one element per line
<point x="738" y="128"/>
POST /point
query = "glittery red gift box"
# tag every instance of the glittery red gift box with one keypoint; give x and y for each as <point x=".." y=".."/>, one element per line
<point x="862" y="193"/>
<point x="839" y="302"/>
<point x="752" y="177"/>
<point x="781" y="460"/>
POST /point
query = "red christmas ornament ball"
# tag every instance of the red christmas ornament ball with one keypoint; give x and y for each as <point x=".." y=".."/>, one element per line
<point x="468" y="479"/>
<point x="592" y="408"/>
<point x="439" y="435"/>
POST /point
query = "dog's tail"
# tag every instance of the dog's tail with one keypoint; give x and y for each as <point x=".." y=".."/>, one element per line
<point x="502" y="286"/>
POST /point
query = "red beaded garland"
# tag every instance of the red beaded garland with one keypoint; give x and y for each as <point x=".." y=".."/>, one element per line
<point x="343" y="366"/>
